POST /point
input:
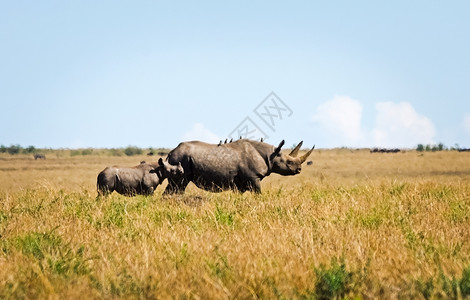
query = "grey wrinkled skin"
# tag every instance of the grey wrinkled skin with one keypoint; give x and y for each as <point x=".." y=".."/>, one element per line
<point x="139" y="180"/>
<point x="239" y="165"/>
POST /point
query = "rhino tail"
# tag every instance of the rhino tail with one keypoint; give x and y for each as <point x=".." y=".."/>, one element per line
<point x="105" y="183"/>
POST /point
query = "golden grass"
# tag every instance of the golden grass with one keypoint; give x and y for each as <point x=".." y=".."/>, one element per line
<point x="354" y="224"/>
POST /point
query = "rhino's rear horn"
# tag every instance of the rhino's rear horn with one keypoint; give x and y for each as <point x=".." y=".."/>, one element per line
<point x="278" y="149"/>
<point x="306" y="155"/>
<point x="295" y="151"/>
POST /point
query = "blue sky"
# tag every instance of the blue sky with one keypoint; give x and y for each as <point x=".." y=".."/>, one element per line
<point x="155" y="73"/>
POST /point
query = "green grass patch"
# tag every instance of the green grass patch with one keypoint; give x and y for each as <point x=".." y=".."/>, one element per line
<point x="335" y="281"/>
<point x="445" y="287"/>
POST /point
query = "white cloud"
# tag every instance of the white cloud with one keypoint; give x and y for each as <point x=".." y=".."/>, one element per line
<point x="200" y="133"/>
<point x="466" y="122"/>
<point x="341" y="116"/>
<point x="396" y="124"/>
<point x="399" y="125"/>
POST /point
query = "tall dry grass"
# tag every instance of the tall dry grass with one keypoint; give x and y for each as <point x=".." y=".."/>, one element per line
<point x="354" y="224"/>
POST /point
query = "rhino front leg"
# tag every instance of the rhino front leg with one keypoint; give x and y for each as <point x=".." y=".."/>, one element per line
<point x="252" y="184"/>
<point x="256" y="186"/>
<point x="148" y="191"/>
<point x="176" y="186"/>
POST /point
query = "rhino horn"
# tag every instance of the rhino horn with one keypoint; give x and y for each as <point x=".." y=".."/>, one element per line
<point x="305" y="156"/>
<point x="295" y="151"/>
<point x="278" y="149"/>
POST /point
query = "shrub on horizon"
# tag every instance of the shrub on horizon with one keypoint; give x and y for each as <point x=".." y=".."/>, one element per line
<point x="132" y="150"/>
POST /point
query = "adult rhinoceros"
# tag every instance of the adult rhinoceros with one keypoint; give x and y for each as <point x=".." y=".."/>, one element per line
<point x="140" y="180"/>
<point x="240" y="165"/>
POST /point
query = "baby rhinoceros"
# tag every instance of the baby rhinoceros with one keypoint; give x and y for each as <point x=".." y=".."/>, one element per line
<point x="139" y="180"/>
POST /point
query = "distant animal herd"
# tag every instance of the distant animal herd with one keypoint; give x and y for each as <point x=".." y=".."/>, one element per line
<point x="384" y="150"/>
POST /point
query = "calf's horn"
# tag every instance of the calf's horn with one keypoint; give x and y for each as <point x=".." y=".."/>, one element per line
<point x="305" y="156"/>
<point x="295" y="151"/>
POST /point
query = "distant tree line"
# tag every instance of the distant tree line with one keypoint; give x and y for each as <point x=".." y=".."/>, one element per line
<point x="128" y="151"/>
<point x="433" y="148"/>
<point x="439" y="147"/>
<point x="17" y="149"/>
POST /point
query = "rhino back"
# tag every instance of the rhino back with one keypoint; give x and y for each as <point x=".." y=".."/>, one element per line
<point x="131" y="174"/>
<point x="211" y="165"/>
<point x="128" y="179"/>
<point x="197" y="157"/>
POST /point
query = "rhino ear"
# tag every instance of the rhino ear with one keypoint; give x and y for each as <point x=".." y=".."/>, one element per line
<point x="160" y="162"/>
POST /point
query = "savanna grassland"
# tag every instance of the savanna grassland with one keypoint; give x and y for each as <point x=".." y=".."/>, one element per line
<point x="354" y="224"/>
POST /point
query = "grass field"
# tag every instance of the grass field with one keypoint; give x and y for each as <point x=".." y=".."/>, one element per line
<point x="354" y="224"/>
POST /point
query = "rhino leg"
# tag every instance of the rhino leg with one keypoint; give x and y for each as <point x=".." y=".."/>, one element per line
<point x="255" y="186"/>
<point x="148" y="191"/>
<point x="149" y="184"/>
<point x="103" y="191"/>
<point x="176" y="186"/>
<point x="251" y="184"/>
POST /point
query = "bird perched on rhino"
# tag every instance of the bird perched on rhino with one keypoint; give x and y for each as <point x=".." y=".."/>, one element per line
<point x="240" y="165"/>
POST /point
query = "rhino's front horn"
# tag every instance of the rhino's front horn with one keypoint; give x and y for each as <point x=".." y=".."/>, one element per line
<point x="306" y="155"/>
<point x="295" y="151"/>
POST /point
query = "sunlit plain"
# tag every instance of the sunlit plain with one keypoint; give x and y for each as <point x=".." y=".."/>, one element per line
<point x="354" y="223"/>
